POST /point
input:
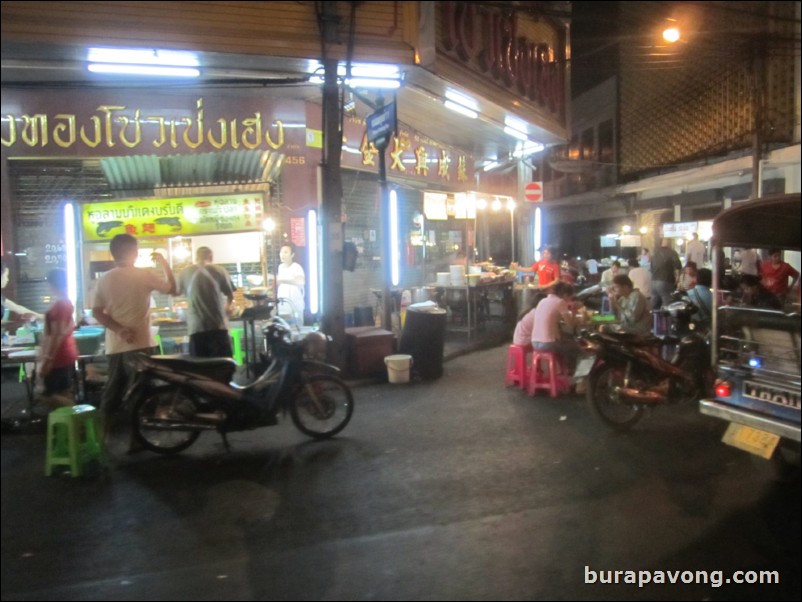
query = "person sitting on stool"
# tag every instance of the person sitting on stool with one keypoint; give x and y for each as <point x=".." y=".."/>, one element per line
<point x="552" y="314"/>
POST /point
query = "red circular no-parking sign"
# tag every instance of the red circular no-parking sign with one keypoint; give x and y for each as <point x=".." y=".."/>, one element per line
<point x="534" y="192"/>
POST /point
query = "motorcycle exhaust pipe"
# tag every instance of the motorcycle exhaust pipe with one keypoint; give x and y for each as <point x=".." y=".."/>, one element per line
<point x="640" y="396"/>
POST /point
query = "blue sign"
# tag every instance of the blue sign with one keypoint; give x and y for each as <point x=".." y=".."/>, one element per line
<point x="381" y="125"/>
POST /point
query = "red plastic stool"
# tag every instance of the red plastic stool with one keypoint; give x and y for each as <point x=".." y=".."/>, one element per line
<point x="555" y="380"/>
<point x="517" y="366"/>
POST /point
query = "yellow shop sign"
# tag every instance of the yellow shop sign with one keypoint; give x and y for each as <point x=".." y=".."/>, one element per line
<point x="185" y="216"/>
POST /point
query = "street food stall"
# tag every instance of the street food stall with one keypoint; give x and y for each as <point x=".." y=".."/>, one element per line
<point x="229" y="224"/>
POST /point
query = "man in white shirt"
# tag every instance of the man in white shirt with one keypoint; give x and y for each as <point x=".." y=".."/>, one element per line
<point x="750" y="262"/>
<point x="122" y="305"/>
<point x="593" y="269"/>
<point x="291" y="281"/>
<point x="695" y="251"/>
<point x="641" y="278"/>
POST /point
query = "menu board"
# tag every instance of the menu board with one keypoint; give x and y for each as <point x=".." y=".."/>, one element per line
<point x="184" y="216"/>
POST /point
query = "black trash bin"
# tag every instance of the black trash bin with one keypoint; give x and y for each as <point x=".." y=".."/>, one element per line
<point x="423" y="337"/>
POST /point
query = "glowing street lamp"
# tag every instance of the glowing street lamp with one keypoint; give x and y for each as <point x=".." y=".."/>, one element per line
<point x="671" y="35"/>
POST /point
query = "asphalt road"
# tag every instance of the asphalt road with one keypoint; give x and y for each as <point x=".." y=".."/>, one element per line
<point x="459" y="489"/>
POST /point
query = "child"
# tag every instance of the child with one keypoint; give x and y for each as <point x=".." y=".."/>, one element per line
<point x="59" y="350"/>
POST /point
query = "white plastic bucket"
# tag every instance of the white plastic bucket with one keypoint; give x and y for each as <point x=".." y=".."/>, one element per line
<point x="398" y="367"/>
<point x="457" y="274"/>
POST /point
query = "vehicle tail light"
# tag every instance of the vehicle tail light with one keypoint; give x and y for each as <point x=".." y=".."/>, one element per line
<point x="723" y="389"/>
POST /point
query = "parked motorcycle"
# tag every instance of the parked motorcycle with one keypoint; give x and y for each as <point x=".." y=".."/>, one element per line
<point x="175" y="399"/>
<point x="627" y="373"/>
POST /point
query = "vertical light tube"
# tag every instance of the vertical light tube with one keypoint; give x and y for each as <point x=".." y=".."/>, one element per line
<point x="538" y="232"/>
<point x="313" y="262"/>
<point x="395" y="253"/>
<point x="71" y="251"/>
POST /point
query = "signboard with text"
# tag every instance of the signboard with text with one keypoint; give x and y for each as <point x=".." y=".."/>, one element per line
<point x="381" y="124"/>
<point x="186" y="216"/>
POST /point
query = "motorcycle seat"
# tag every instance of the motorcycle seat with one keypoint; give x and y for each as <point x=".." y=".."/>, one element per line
<point x="177" y="361"/>
<point x="211" y="365"/>
<point x="628" y="338"/>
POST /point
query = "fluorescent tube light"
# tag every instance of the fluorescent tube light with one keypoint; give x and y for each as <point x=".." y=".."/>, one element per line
<point x="395" y="253"/>
<point x="143" y="61"/>
<point x="312" y="261"/>
<point x="71" y="250"/>
<point x="143" y="56"/>
<point x="160" y="71"/>
<point x="462" y="99"/>
<point x="363" y="82"/>
<point x="458" y="108"/>
<point x="515" y="133"/>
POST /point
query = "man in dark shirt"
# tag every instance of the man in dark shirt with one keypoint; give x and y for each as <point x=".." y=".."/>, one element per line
<point x="666" y="267"/>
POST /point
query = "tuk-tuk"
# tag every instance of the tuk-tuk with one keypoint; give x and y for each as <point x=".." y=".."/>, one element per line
<point x="756" y="332"/>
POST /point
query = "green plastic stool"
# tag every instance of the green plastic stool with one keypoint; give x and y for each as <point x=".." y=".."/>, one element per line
<point x="73" y="439"/>
<point x="236" y="341"/>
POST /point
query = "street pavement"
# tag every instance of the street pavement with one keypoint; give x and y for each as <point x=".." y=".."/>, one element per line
<point x="457" y="489"/>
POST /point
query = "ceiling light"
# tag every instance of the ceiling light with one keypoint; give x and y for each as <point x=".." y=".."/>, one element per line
<point x="366" y="82"/>
<point x="491" y="165"/>
<point x="458" y="108"/>
<point x="115" y="69"/>
<point x="526" y="148"/>
<point x="515" y="133"/>
<point x="516" y="128"/>
<point x="462" y="99"/>
<point x="143" y="61"/>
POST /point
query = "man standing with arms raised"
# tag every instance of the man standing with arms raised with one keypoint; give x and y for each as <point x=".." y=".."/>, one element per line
<point x="122" y="305"/>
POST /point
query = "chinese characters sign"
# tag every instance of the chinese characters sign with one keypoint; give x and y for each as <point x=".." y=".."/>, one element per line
<point x="173" y="217"/>
<point x="410" y="154"/>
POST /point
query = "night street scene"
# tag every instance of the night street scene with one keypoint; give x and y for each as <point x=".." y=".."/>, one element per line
<point x="401" y="300"/>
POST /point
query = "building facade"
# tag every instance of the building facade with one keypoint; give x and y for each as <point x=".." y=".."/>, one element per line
<point x="710" y="120"/>
<point x="251" y="121"/>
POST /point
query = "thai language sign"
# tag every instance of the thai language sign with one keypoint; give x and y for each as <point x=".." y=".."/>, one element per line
<point x="185" y="216"/>
<point x="119" y="126"/>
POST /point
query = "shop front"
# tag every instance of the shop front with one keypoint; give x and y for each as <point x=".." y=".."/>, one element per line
<point x="229" y="224"/>
<point x="177" y="170"/>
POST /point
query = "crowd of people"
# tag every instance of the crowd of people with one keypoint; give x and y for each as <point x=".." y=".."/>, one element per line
<point x="647" y="283"/>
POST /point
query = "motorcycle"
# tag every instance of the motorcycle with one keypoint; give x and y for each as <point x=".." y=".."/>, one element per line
<point x="175" y="399"/>
<point x="626" y="373"/>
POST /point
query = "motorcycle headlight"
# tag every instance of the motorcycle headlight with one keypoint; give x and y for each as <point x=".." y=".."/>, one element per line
<point x="314" y="345"/>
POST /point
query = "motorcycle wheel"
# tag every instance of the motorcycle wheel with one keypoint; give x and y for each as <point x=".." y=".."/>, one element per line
<point x="153" y="431"/>
<point x="322" y="407"/>
<point x="606" y="404"/>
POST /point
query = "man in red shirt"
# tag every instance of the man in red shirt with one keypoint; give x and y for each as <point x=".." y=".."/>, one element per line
<point x="774" y="275"/>
<point x="547" y="270"/>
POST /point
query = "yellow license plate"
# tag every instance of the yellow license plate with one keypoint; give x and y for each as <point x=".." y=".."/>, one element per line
<point x="751" y="439"/>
